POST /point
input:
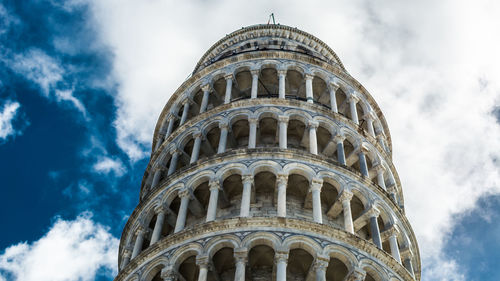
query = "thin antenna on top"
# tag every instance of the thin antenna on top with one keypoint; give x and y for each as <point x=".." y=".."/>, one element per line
<point x="271" y="16"/>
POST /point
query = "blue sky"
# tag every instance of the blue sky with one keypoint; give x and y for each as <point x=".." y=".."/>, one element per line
<point x="82" y="83"/>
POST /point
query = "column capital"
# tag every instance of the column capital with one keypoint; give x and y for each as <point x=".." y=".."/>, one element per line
<point x="316" y="184"/>
<point x="223" y="124"/>
<point x="282" y="72"/>
<point x="339" y="138"/>
<point x="202" y="261"/>
<point x="334" y="86"/>
<point x="352" y="98"/>
<point x="391" y="189"/>
<point x="313" y="124"/>
<point x="186" y="101"/>
<point x="174" y="149"/>
<point x="281" y="257"/>
<point x="254" y="72"/>
<point x="369" y="116"/>
<point x="161" y="208"/>
<point x="185" y="192"/>
<point x="357" y="274"/>
<point x="283" y="118"/>
<point x="127" y="253"/>
<point x="379" y="168"/>
<point x="213" y="184"/>
<point x="392" y="230"/>
<point x="282" y="179"/>
<point x="247" y="178"/>
<point x="228" y="76"/>
<point x="373" y="212"/>
<point x="345" y="195"/>
<point x="240" y="254"/>
<point x="321" y="263"/>
<point x="140" y="230"/>
<point x="197" y="134"/>
<point x="168" y="273"/>
<point x="309" y="76"/>
<point x="171" y="117"/>
<point x="253" y="120"/>
<point x="205" y="87"/>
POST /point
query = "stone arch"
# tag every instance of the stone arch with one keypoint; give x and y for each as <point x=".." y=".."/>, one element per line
<point x="264" y="166"/>
<point x="261" y="238"/>
<point x="222" y="241"/>
<point x="231" y="169"/>
<point x="302" y="242"/>
<point x="184" y="252"/>
<point x="300" y="169"/>
<point x="341" y="253"/>
<point x="199" y="178"/>
<point x="373" y="269"/>
<point x="153" y="268"/>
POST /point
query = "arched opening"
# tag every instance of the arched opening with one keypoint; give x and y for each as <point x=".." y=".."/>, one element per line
<point x="211" y="145"/>
<point x="325" y="144"/>
<point x="369" y="277"/>
<point x="264" y="183"/>
<point x="296" y="134"/>
<point x="267" y="133"/>
<point x="242" y="85"/>
<point x="336" y="270"/>
<point x="329" y="195"/>
<point x="219" y="87"/>
<point x="188" y="269"/>
<point x="320" y="92"/>
<point x="232" y="188"/>
<point x="299" y="265"/>
<point x="239" y="134"/>
<point x="357" y="209"/>
<point x="361" y="113"/>
<point x="224" y="265"/>
<point x="294" y="85"/>
<point x="260" y="263"/>
<point x="198" y="204"/>
<point x="268" y="83"/>
<point x="154" y="274"/>
<point x="297" y="196"/>
<point x="342" y="103"/>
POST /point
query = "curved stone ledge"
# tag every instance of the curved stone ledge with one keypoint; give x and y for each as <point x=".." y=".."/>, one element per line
<point x="282" y="228"/>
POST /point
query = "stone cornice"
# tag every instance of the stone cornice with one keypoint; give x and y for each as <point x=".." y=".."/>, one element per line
<point x="295" y="226"/>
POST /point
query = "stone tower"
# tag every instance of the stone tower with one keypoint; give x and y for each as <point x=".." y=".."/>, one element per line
<point x="270" y="163"/>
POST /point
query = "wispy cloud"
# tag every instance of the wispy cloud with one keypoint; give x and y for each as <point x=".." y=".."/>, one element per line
<point x="77" y="249"/>
<point x="8" y="113"/>
<point x="106" y="165"/>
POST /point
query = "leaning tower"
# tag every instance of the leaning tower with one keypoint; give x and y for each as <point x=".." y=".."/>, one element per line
<point x="270" y="163"/>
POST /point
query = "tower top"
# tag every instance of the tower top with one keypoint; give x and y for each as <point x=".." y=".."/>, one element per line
<point x="261" y="37"/>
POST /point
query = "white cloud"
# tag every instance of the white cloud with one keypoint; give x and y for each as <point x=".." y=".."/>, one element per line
<point x="67" y="95"/>
<point x="71" y="250"/>
<point x="7" y="115"/>
<point x="106" y="165"/>
<point x="432" y="67"/>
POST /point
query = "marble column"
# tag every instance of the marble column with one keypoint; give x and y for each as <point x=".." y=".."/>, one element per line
<point x="392" y="193"/>
<point x="281" y="259"/>
<point x="369" y="124"/>
<point x="393" y="242"/>
<point x="240" y="256"/>
<point x="245" y="197"/>
<point x="340" y="149"/>
<point x="170" y="128"/>
<point x="204" y="100"/>
<point x="374" y="229"/>
<point x="283" y="127"/>
<point x="363" y="166"/>
<point x="345" y="199"/>
<point x="223" y="126"/>
<point x="229" y="87"/>
<point x="252" y="138"/>
<point x="381" y="141"/>
<point x="320" y="266"/>
<point x="354" y="111"/>
<point x="315" y="190"/>
<point x="185" y="111"/>
<point x="141" y="231"/>
<point x="380" y="175"/>
<point x="156" y="177"/>
<point x="313" y="142"/>
<point x="309" y="88"/>
<point x="214" y="186"/>
<point x="160" y="218"/>
<point x="255" y="83"/>
<point x="185" y="196"/>
<point x="357" y="274"/>
<point x="173" y="161"/>
<point x="196" y="147"/>
<point x="202" y="263"/>
<point x="333" y="97"/>
<point x="281" y="83"/>
<point x="282" y="181"/>
<point x="161" y="133"/>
